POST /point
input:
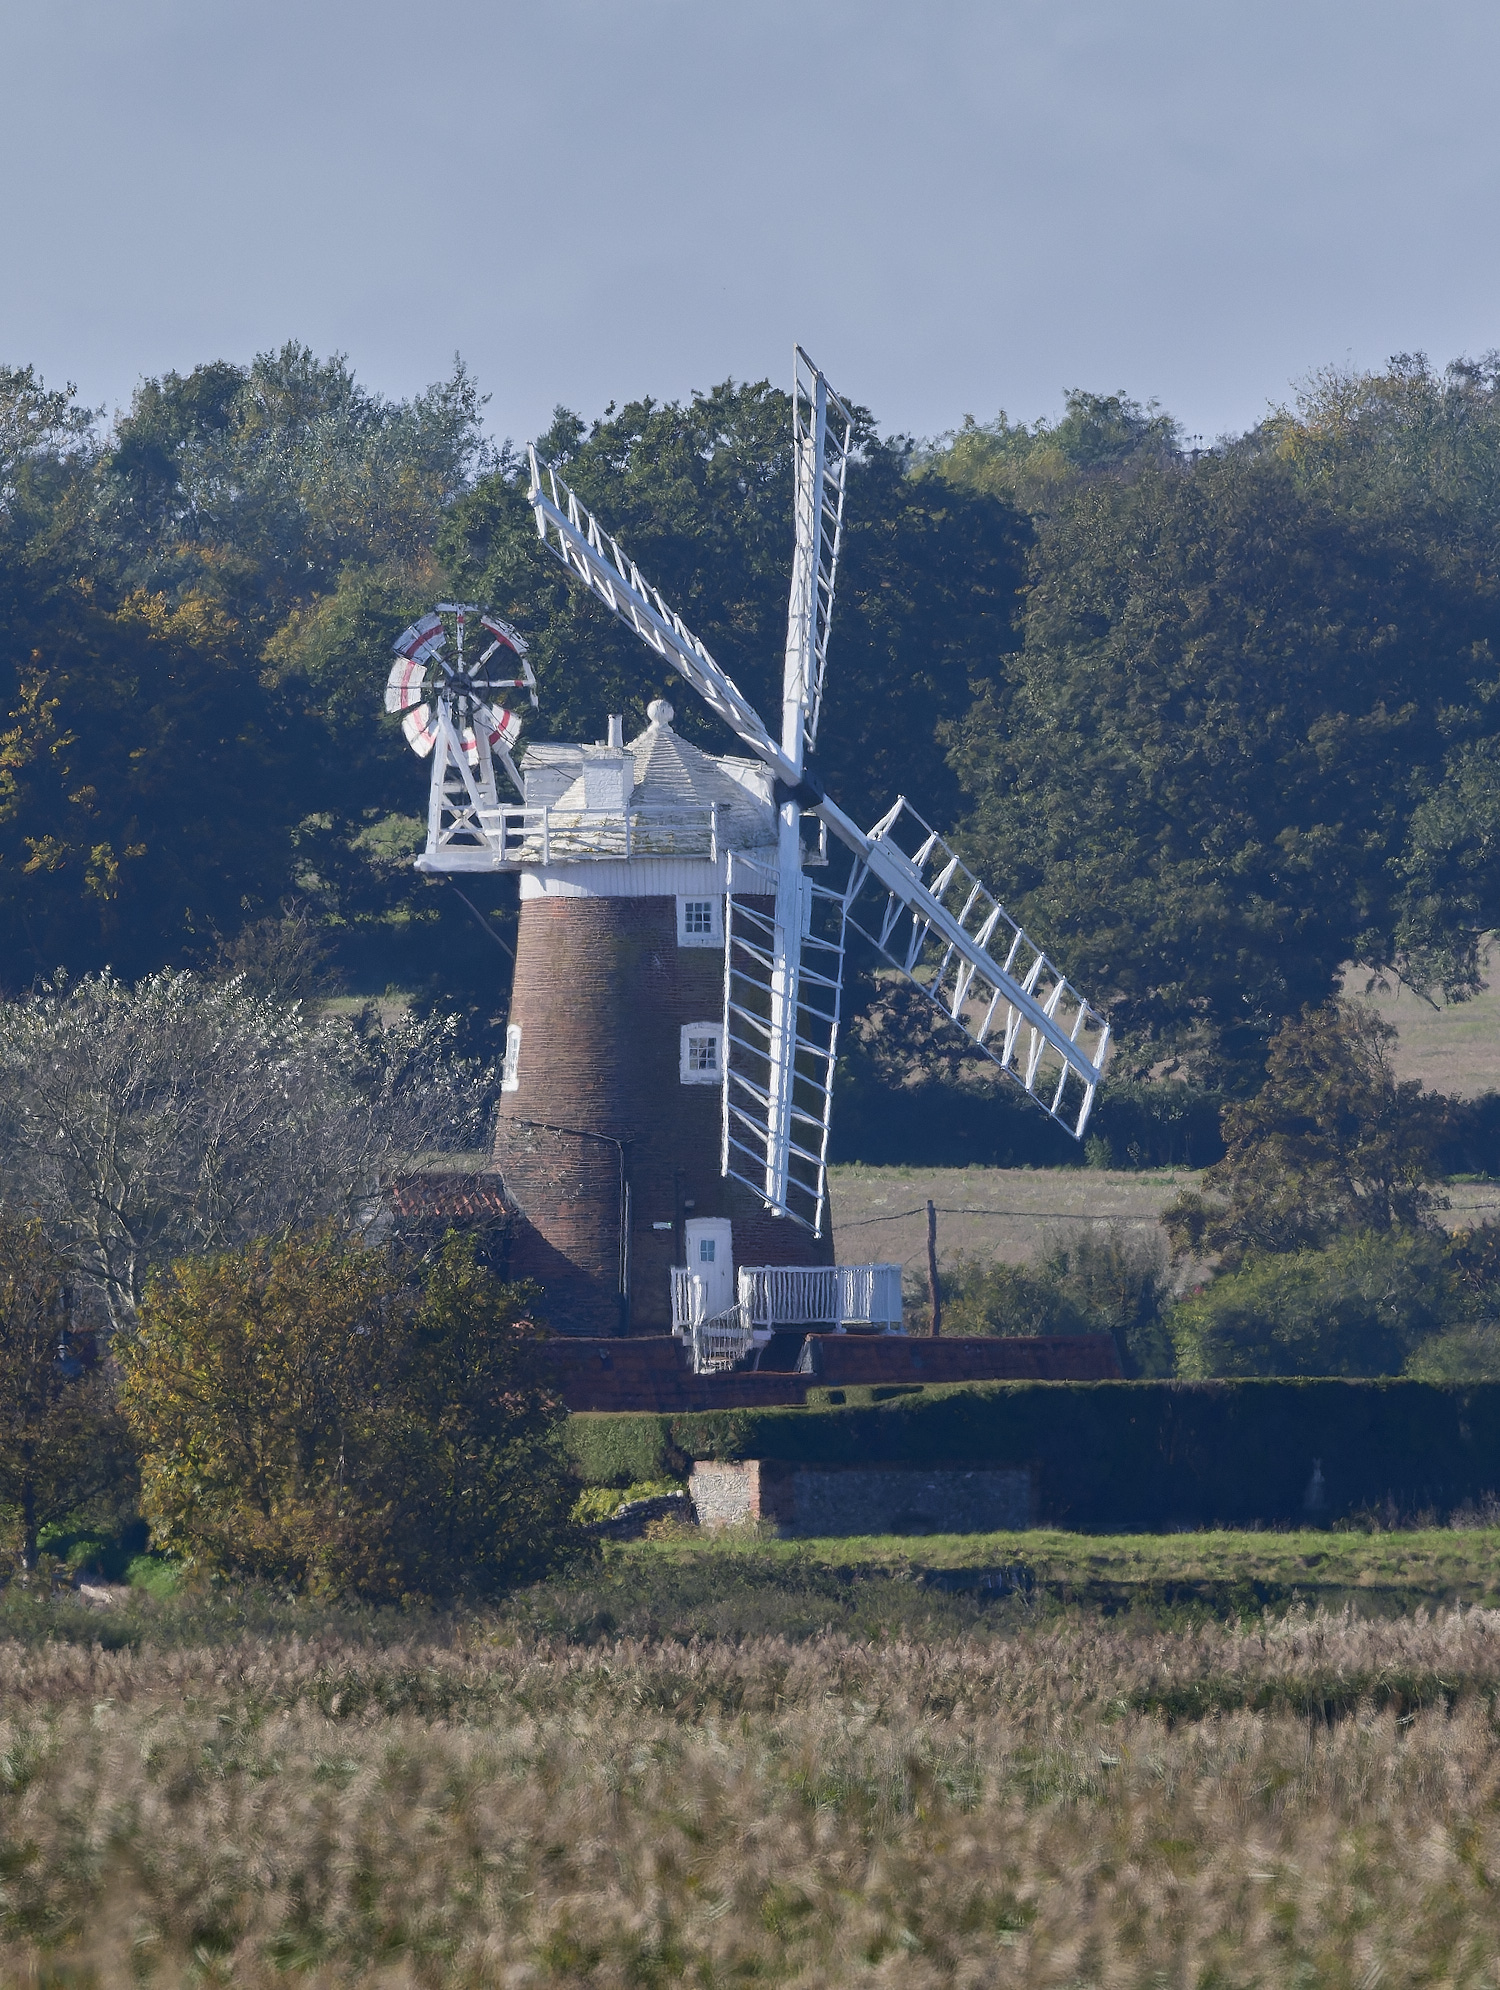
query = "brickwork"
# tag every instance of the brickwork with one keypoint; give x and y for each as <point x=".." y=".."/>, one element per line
<point x="853" y="1499"/>
<point x="601" y="993"/>
<point x="652" y="1372"/>
<point x="847" y="1358"/>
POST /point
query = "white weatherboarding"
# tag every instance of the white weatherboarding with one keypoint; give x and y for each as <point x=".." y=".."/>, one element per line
<point x="907" y="893"/>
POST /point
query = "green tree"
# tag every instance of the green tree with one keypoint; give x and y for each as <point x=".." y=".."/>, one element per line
<point x="1332" y="1142"/>
<point x="700" y="494"/>
<point x="61" y="1441"/>
<point x="306" y="1414"/>
<point x="1097" y="433"/>
<point x="1216" y="772"/>
<point x="168" y="769"/>
<point x="478" y="1483"/>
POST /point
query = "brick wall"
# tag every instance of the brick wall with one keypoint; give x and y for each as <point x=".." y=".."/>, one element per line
<point x="601" y="993"/>
<point x="852" y="1499"/>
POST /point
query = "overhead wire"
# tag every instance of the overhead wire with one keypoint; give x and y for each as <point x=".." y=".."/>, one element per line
<point x="1044" y="1215"/>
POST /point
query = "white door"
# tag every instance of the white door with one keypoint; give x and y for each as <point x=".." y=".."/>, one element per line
<point x="710" y="1256"/>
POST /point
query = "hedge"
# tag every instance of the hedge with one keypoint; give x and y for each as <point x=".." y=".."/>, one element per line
<point x="943" y="1125"/>
<point x="1113" y="1454"/>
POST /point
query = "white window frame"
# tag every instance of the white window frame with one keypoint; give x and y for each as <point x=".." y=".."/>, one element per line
<point x="697" y="1077"/>
<point x="510" y="1070"/>
<point x="714" y="937"/>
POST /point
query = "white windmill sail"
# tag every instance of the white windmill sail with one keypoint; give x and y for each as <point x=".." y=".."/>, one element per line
<point x="449" y="710"/>
<point x="787" y="1124"/>
<point x="781" y="1024"/>
<point x="940" y="926"/>
<point x="937" y="923"/>
<point x="822" y="431"/>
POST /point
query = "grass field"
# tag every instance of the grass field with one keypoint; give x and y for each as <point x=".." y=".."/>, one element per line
<point x="920" y="1781"/>
<point x="880" y="1214"/>
<point x="1450" y="1047"/>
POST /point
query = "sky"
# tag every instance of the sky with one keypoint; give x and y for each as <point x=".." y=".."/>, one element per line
<point x="956" y="206"/>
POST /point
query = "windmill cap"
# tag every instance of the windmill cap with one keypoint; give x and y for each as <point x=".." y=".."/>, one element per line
<point x="660" y="712"/>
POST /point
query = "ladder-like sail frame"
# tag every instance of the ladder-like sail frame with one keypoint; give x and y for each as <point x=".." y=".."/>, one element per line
<point x="938" y="924"/>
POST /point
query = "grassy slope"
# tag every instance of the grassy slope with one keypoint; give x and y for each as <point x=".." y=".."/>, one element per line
<point x="1213" y="1571"/>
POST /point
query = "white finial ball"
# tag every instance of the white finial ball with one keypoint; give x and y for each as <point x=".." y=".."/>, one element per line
<point x="660" y="712"/>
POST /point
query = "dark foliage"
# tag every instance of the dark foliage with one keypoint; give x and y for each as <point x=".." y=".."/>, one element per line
<point x="1110" y="1456"/>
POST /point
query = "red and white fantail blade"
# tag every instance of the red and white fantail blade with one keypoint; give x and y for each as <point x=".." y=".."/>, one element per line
<point x="512" y="638"/>
<point x="404" y="685"/>
<point x="422" y="640"/>
<point x="504" y="727"/>
<point x="420" y="732"/>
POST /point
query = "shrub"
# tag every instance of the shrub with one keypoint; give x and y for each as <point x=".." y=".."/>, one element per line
<point x="1466" y="1353"/>
<point x="1147" y="1455"/>
<point x="61" y="1442"/>
<point x="1360" y="1307"/>
<point x="306" y="1414"/>
<point x="1110" y="1280"/>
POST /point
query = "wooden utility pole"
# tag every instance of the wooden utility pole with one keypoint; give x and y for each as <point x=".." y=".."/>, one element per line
<point x="932" y="1273"/>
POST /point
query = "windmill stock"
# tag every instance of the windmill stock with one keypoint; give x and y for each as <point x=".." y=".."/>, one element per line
<point x="618" y="846"/>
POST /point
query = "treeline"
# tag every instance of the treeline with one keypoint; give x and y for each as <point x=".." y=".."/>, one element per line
<point x="1213" y="723"/>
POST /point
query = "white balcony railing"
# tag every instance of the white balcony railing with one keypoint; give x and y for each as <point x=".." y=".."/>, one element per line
<point x="556" y="836"/>
<point x="720" y="1343"/>
<point x="838" y="1298"/>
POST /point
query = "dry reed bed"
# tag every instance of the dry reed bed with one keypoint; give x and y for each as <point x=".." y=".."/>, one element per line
<point x="1033" y="1809"/>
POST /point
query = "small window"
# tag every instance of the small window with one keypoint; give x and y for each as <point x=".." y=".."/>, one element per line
<point x="702" y="1053"/>
<point x="706" y="1249"/>
<point x="700" y="922"/>
<point x="510" y="1070"/>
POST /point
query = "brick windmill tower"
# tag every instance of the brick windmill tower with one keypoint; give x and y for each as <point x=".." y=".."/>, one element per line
<point x="665" y="1108"/>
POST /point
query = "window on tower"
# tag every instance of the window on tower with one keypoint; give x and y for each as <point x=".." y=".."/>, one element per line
<point x="700" y="922"/>
<point x="702" y="1053"/>
<point x="510" y="1070"/>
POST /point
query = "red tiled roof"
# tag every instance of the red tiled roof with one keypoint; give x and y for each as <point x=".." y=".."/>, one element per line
<point x="439" y="1198"/>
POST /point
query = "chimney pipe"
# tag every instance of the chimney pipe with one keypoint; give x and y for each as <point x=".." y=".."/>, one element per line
<point x="617" y="730"/>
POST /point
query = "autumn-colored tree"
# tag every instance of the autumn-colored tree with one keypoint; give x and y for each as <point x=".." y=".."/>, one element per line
<point x="60" y="1435"/>
<point x="308" y="1413"/>
<point x="1333" y="1142"/>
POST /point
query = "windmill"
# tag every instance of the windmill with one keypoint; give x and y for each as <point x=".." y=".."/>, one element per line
<point x="449" y="710"/>
<point x="666" y="1100"/>
<point x="908" y="893"/>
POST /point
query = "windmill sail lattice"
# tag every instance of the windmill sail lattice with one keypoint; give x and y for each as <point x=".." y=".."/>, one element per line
<point x="961" y="948"/>
<point x="753" y="948"/>
<point x="822" y="430"/>
<point x="918" y="906"/>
